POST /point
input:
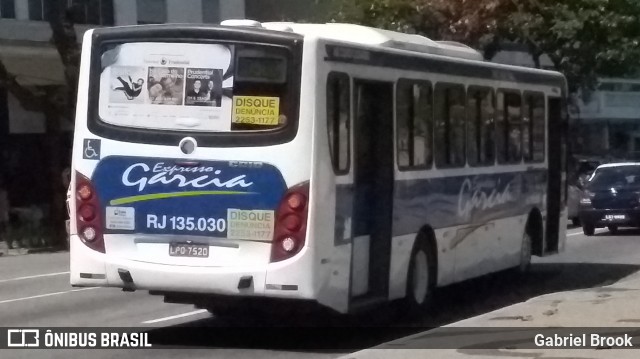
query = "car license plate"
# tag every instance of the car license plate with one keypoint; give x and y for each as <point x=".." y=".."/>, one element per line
<point x="615" y="217"/>
<point x="188" y="250"/>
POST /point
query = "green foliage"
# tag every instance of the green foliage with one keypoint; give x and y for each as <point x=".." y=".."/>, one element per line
<point x="473" y="22"/>
<point x="583" y="38"/>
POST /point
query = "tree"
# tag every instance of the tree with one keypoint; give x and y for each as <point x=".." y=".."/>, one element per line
<point x="583" y="38"/>
<point x="473" y="22"/>
<point x="56" y="102"/>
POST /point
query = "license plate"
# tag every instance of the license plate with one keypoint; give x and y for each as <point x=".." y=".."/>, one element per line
<point x="615" y="217"/>
<point x="188" y="250"/>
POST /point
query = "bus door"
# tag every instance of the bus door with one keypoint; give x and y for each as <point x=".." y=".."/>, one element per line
<point x="373" y="182"/>
<point x="556" y="193"/>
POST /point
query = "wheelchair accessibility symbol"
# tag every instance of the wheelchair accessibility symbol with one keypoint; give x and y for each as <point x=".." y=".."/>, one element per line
<point x="91" y="149"/>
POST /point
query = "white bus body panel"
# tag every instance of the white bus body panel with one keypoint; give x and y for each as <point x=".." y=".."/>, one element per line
<point x="332" y="268"/>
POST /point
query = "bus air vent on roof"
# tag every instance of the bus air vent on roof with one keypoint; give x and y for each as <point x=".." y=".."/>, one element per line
<point x="398" y="40"/>
<point x="241" y="22"/>
<point x="443" y="48"/>
<point x="279" y="26"/>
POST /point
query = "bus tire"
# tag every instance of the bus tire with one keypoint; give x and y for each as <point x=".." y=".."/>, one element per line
<point x="531" y="236"/>
<point x="420" y="279"/>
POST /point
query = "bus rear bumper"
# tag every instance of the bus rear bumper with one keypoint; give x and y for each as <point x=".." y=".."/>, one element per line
<point x="90" y="268"/>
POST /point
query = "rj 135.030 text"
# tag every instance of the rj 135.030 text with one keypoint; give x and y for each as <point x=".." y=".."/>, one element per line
<point x="186" y="223"/>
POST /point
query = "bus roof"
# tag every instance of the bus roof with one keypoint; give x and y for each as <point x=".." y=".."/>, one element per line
<point x="365" y="35"/>
<point x="386" y="39"/>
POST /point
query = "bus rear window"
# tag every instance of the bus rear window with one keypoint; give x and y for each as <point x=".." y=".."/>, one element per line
<point x="195" y="87"/>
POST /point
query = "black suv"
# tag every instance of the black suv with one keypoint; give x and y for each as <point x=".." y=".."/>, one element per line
<point x="611" y="198"/>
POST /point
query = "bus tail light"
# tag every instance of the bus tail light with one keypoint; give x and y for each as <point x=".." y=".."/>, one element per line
<point x="291" y="223"/>
<point x="85" y="192"/>
<point x="87" y="212"/>
<point x="88" y="219"/>
<point x="89" y="234"/>
<point x="288" y="244"/>
<point x="295" y="201"/>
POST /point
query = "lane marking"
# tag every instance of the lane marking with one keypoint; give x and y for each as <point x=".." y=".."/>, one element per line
<point x="598" y="230"/>
<point x="46" y="295"/>
<point x="33" y="276"/>
<point x="176" y="316"/>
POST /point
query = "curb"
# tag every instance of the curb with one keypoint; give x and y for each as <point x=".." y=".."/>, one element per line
<point x="45" y="250"/>
<point x="13" y="252"/>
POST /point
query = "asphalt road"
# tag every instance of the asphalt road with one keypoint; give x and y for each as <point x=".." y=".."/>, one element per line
<point x="34" y="292"/>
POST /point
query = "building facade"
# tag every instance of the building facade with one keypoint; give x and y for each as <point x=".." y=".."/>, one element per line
<point x="607" y="121"/>
<point x="290" y="10"/>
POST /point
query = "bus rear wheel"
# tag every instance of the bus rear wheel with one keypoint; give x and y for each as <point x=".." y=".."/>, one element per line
<point x="419" y="280"/>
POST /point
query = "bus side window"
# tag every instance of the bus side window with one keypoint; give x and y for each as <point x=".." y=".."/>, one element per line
<point x="338" y="117"/>
<point x="533" y="130"/>
<point x="480" y="126"/>
<point x="538" y="127"/>
<point x="527" y="124"/>
<point x="449" y="102"/>
<point x="414" y="124"/>
<point x="508" y="126"/>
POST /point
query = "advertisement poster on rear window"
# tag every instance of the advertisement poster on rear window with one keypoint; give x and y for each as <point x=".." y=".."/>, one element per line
<point x="167" y="86"/>
<point x="127" y="83"/>
<point x="204" y="87"/>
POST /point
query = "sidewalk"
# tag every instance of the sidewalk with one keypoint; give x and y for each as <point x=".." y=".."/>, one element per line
<point x="6" y="252"/>
<point x="613" y="310"/>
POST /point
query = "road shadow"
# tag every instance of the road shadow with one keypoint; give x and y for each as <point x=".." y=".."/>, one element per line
<point x="324" y="332"/>
<point x="318" y="331"/>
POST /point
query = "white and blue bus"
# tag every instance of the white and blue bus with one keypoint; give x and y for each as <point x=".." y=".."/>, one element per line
<point x="331" y="164"/>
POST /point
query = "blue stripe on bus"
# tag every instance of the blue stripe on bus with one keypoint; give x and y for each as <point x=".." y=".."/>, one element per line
<point x="451" y="201"/>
